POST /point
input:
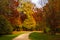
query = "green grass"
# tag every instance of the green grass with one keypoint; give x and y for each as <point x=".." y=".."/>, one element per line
<point x="7" y="37"/>
<point x="41" y="36"/>
<point x="10" y="37"/>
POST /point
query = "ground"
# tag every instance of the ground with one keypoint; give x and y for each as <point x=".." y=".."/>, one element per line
<point x="23" y="37"/>
<point x="37" y="35"/>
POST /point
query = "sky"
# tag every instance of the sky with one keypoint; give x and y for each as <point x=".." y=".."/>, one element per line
<point x="39" y="3"/>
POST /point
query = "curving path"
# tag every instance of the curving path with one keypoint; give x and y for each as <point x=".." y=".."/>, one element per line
<point x="23" y="36"/>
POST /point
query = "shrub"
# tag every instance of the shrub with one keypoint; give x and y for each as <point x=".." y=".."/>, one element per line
<point x="5" y="26"/>
<point x="16" y="28"/>
<point x="58" y="30"/>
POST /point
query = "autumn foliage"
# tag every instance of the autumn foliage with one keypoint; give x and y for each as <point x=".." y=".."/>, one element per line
<point x="25" y="15"/>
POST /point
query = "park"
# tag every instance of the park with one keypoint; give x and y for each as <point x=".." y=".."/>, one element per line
<point x="29" y="19"/>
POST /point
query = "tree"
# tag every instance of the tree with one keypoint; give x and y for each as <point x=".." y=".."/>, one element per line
<point x="5" y="26"/>
<point x="52" y="10"/>
<point x="27" y="8"/>
<point x="4" y="7"/>
<point x="29" y="23"/>
<point x="38" y="16"/>
<point x="8" y="9"/>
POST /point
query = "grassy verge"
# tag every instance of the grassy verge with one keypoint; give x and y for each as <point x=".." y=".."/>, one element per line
<point x="41" y="36"/>
<point x="10" y="37"/>
<point x="7" y="37"/>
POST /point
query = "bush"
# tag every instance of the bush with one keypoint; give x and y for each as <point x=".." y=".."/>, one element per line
<point x="58" y="30"/>
<point x="16" y="28"/>
<point x="5" y="26"/>
<point x="47" y="30"/>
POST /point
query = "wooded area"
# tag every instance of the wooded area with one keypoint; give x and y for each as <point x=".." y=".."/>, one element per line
<point x="23" y="16"/>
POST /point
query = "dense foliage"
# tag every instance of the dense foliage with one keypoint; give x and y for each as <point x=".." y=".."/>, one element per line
<point x="24" y="15"/>
<point x="5" y="26"/>
<point x="52" y="12"/>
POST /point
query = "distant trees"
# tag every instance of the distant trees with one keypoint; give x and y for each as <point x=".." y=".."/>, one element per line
<point x="52" y="10"/>
<point x="38" y="16"/>
<point x="27" y="8"/>
<point x="29" y="23"/>
<point x="8" y="9"/>
<point x="21" y="14"/>
<point x="4" y="7"/>
<point x="5" y="26"/>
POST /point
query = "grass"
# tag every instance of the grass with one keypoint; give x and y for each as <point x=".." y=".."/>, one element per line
<point x="7" y="37"/>
<point x="10" y="37"/>
<point x="41" y="36"/>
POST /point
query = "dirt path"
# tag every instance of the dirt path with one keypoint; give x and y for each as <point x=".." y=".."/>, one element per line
<point x="23" y="36"/>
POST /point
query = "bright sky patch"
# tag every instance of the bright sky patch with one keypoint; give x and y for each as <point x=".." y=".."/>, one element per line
<point x="39" y="3"/>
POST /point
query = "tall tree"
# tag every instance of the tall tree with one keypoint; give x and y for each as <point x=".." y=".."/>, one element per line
<point x="27" y="8"/>
<point x="52" y="10"/>
<point x="5" y="26"/>
<point x="4" y="7"/>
